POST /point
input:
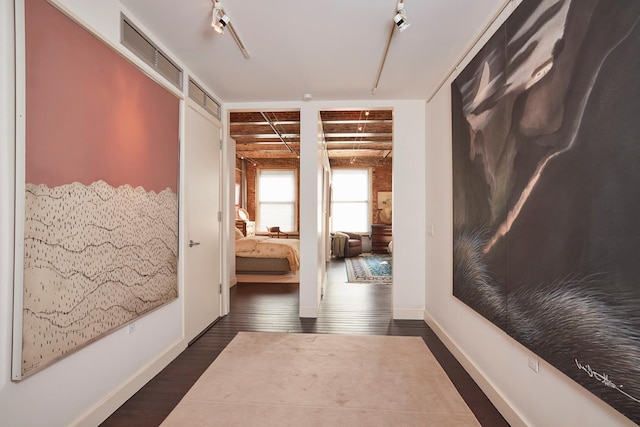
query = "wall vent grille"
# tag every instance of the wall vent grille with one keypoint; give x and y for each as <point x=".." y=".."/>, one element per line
<point x="132" y="38"/>
<point x="203" y="99"/>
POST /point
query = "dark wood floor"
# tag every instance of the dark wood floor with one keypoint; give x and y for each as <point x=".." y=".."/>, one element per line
<point x="345" y="309"/>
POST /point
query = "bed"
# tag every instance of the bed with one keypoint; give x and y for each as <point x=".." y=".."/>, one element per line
<point x="266" y="255"/>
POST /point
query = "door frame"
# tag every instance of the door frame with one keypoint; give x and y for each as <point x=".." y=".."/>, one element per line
<point x="223" y="307"/>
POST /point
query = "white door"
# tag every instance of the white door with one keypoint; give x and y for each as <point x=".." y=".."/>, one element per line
<point x="202" y="265"/>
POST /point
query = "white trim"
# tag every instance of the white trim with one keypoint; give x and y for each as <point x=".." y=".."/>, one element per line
<point x="107" y="406"/>
<point x="8" y="107"/>
<point x="311" y="312"/>
<point x="408" y="313"/>
<point x="513" y="417"/>
<point x="20" y="142"/>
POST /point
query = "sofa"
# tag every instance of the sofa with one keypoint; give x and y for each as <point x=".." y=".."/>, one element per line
<point x="346" y="244"/>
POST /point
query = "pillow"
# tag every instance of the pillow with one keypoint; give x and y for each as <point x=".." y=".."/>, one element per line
<point x="239" y="234"/>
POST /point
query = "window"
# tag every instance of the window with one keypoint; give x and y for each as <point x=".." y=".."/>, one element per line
<point x="350" y="200"/>
<point x="276" y="199"/>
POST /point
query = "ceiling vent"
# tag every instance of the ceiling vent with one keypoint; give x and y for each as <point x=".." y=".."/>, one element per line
<point x="132" y="38"/>
<point x="203" y="99"/>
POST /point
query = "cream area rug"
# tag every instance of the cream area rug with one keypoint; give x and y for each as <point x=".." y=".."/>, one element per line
<point x="280" y="379"/>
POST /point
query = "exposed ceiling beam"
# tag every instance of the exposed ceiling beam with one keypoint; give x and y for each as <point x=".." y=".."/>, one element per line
<point x="354" y="122"/>
<point x="282" y="154"/>
<point x="264" y="135"/>
<point x="357" y="135"/>
<point x="374" y="146"/>
<point x="387" y="136"/>
<point x="347" y="134"/>
<point x="275" y="122"/>
<point x="263" y="146"/>
<point x="338" y="154"/>
<point x="359" y="141"/>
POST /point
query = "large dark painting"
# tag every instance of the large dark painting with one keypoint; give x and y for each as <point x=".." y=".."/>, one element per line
<point x="546" y="189"/>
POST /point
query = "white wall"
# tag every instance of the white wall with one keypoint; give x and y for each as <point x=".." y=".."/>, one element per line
<point x="497" y="362"/>
<point x="86" y="386"/>
<point x="312" y="271"/>
<point x="409" y="180"/>
<point x="228" y="213"/>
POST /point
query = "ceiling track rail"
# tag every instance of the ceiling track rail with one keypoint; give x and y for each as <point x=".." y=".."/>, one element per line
<point x="291" y="150"/>
<point x="236" y="37"/>
<point x="384" y="59"/>
<point x="217" y="7"/>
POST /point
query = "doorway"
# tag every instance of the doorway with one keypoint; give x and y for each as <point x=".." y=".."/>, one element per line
<point x="360" y="147"/>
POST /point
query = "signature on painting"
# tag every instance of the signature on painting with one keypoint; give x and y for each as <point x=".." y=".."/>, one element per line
<point x="604" y="379"/>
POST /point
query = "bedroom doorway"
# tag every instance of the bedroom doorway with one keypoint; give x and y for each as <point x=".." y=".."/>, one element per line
<point x="267" y="183"/>
<point x="360" y="147"/>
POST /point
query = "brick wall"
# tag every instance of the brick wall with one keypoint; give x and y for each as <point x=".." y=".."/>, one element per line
<point x="382" y="174"/>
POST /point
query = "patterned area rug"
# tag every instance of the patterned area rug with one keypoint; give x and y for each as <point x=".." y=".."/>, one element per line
<point x="369" y="268"/>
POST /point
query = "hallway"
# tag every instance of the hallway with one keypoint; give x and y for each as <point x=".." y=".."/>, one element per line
<point x="359" y="309"/>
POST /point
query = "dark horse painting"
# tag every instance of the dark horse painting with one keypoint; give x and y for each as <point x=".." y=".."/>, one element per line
<point x="546" y="189"/>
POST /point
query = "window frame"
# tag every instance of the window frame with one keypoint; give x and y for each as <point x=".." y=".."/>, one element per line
<point x="261" y="227"/>
<point x="368" y="202"/>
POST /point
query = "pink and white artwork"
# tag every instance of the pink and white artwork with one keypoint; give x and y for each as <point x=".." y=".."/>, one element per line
<point x="100" y="192"/>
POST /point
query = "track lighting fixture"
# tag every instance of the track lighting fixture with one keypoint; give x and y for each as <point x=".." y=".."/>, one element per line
<point x="400" y="22"/>
<point x="221" y="21"/>
<point x="219" y="24"/>
<point x="401" y="18"/>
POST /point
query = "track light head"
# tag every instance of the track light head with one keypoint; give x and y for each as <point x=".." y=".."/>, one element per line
<point x="401" y="21"/>
<point x="219" y="24"/>
<point x="221" y="21"/>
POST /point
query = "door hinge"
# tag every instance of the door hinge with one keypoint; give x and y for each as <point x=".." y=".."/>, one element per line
<point x="220" y="146"/>
<point x="219" y="216"/>
<point x="220" y="289"/>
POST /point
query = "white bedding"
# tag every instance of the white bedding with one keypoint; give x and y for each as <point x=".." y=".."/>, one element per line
<point x="267" y="247"/>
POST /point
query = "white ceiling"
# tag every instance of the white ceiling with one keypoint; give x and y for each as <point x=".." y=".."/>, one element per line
<point x="330" y="49"/>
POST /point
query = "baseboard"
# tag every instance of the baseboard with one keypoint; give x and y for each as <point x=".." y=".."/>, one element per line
<point x="408" y="314"/>
<point x="102" y="410"/>
<point x="311" y="312"/>
<point x="498" y="400"/>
